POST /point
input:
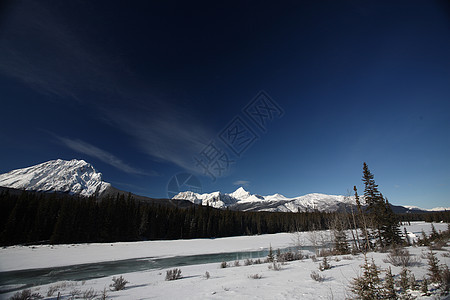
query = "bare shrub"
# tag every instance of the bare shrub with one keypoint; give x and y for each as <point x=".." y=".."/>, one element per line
<point x="118" y="284"/>
<point x="438" y="245"/>
<point x="248" y="262"/>
<point x="89" y="294"/>
<point x="445" y="254"/>
<point x="223" y="264"/>
<point x="257" y="261"/>
<point x="26" y="295"/>
<point x="399" y="257"/>
<point x="313" y="258"/>
<point x="104" y="294"/>
<point x="51" y="290"/>
<point x="173" y="274"/>
<point x="316" y="276"/>
<point x="255" y="276"/>
<point x="74" y="293"/>
<point x="424" y="255"/>
<point x="324" y="252"/>
<point x="207" y="276"/>
<point x="237" y="263"/>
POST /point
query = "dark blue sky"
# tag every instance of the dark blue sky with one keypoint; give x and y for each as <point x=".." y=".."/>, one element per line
<point x="147" y="90"/>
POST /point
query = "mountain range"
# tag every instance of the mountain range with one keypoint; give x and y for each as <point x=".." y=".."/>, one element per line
<point x="245" y="201"/>
<point x="77" y="177"/>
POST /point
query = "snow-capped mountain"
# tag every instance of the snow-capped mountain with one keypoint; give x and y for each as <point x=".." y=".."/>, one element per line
<point x="74" y="177"/>
<point x="416" y="208"/>
<point x="243" y="200"/>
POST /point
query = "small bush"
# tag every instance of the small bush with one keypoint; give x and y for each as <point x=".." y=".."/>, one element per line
<point x="290" y="256"/>
<point x="313" y="258"/>
<point x="26" y="295"/>
<point x="207" y="276"/>
<point x="118" y="284"/>
<point x="316" y="276"/>
<point x="255" y="276"/>
<point x="237" y="263"/>
<point x="173" y="274"/>
<point x="223" y="264"/>
<point x="324" y="265"/>
<point x="257" y="261"/>
<point x="248" y="262"/>
<point x="274" y="266"/>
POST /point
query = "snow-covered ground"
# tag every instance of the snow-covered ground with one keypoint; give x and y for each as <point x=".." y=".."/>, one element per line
<point x="293" y="281"/>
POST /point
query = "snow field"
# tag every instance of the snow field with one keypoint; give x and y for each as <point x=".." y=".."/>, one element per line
<point x="293" y="281"/>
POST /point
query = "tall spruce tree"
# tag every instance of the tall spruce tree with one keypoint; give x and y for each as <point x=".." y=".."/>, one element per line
<point x="381" y="216"/>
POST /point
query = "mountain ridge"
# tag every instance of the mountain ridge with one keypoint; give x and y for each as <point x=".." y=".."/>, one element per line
<point x="243" y="200"/>
<point x="76" y="177"/>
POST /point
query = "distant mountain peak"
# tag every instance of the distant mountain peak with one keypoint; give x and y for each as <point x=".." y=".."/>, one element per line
<point x="240" y="193"/>
<point x="74" y="176"/>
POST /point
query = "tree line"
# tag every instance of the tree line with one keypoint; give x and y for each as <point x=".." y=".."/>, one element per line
<point x="35" y="217"/>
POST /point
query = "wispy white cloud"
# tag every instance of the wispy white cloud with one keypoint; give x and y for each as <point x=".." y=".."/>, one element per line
<point x="169" y="133"/>
<point x="100" y="154"/>
<point x="64" y="65"/>
<point x="242" y="183"/>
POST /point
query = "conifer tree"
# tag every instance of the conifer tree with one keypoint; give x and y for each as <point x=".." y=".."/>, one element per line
<point x="424" y="287"/>
<point x="390" y="227"/>
<point x="434" y="234"/>
<point x="339" y="235"/>
<point x="382" y="218"/>
<point x="368" y="286"/>
<point x="433" y="267"/>
<point x="404" y="280"/>
<point x="270" y="256"/>
<point x="389" y="288"/>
